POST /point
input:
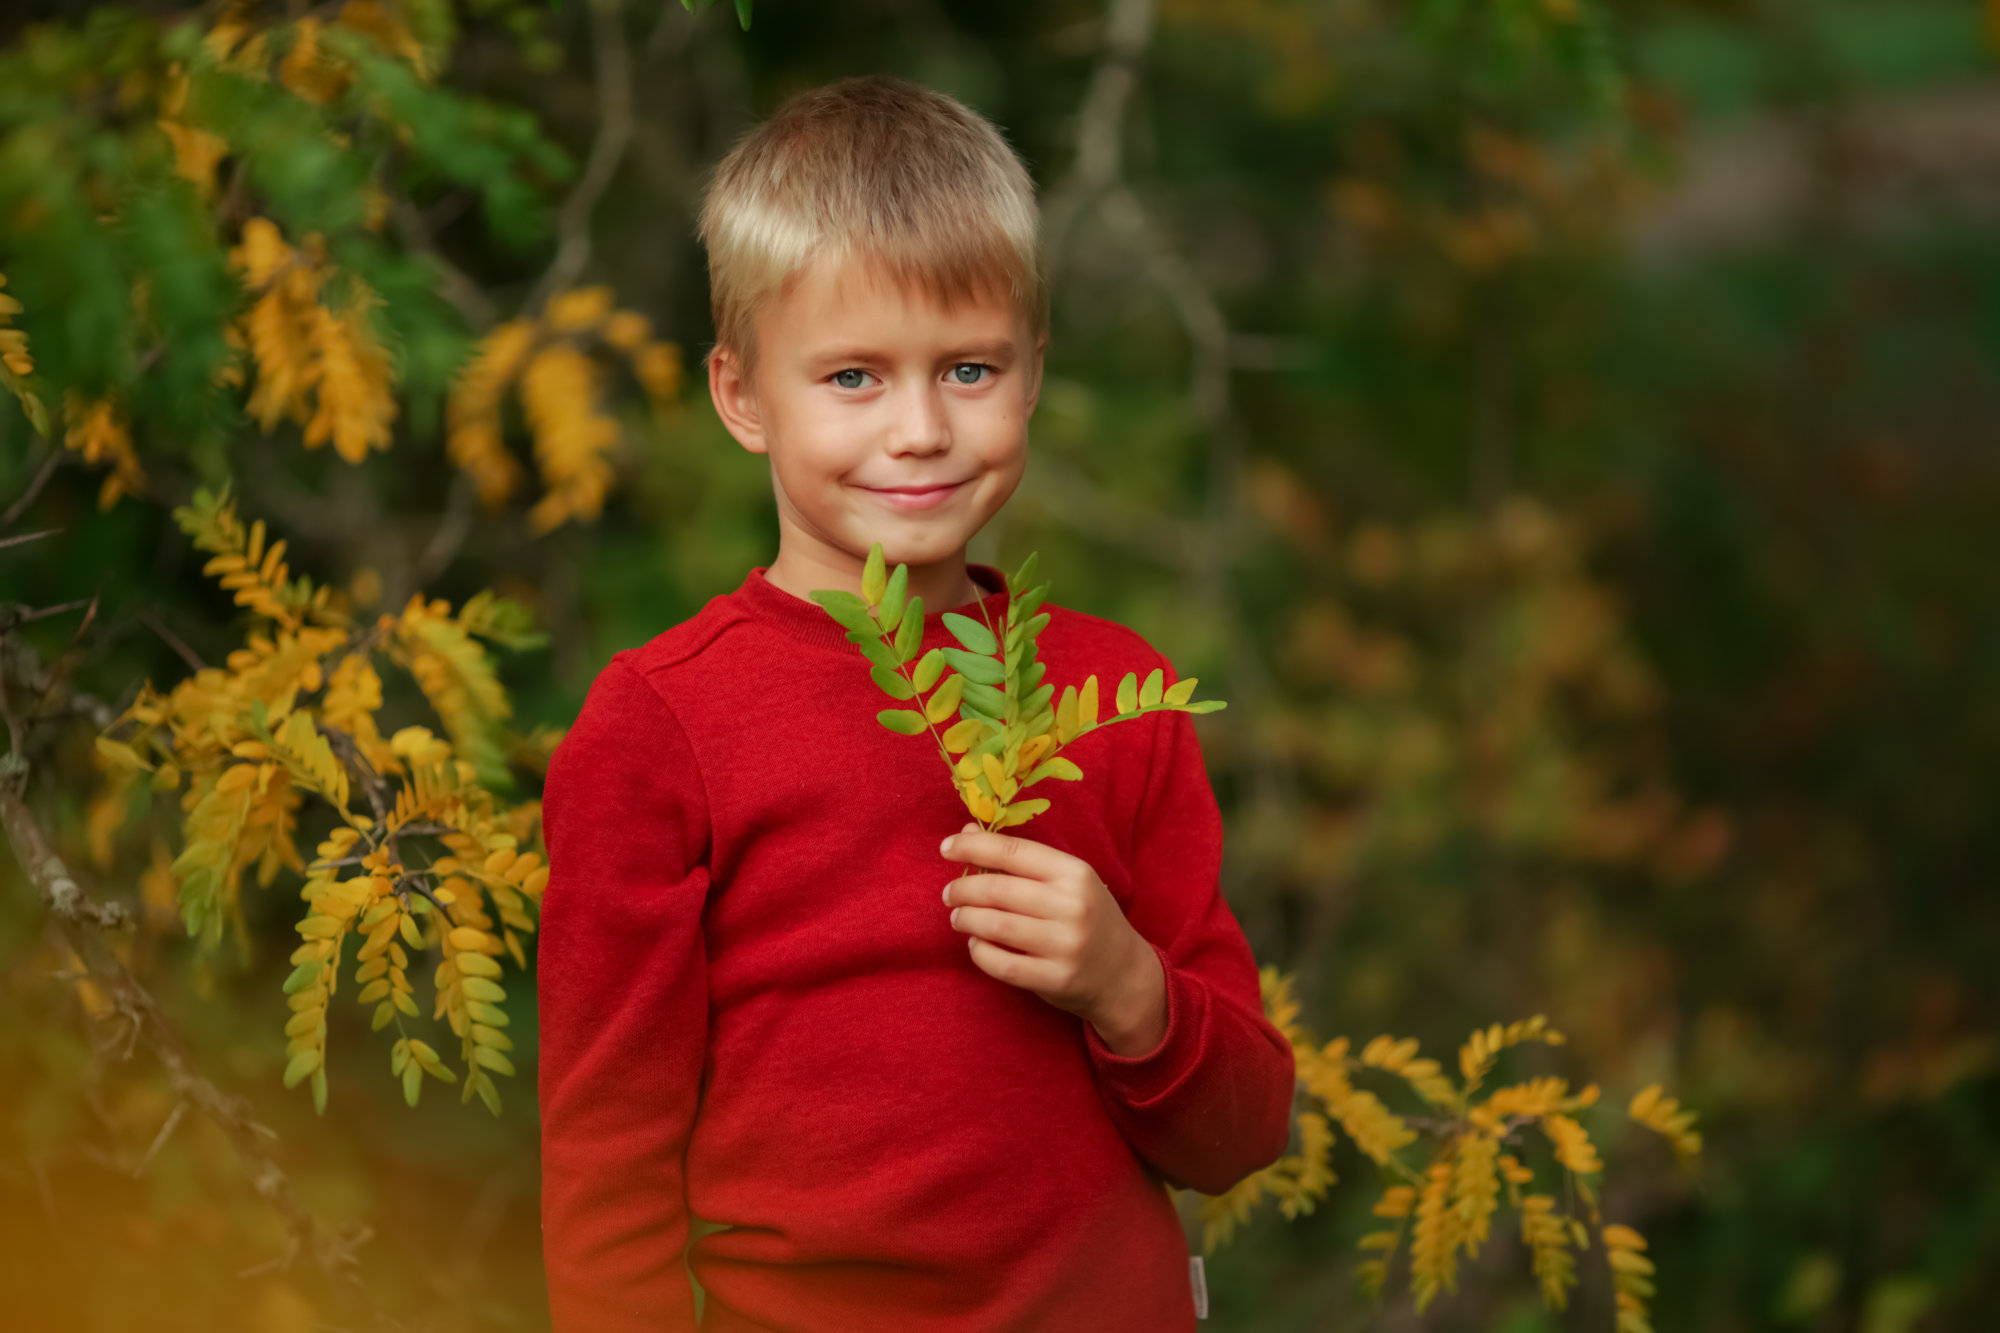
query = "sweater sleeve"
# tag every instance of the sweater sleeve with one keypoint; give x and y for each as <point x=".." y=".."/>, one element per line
<point x="623" y="988"/>
<point x="1213" y="1101"/>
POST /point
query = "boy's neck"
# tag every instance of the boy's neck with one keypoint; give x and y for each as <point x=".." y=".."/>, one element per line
<point x="943" y="584"/>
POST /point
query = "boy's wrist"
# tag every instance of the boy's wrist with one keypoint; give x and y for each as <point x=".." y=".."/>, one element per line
<point x="1133" y="1019"/>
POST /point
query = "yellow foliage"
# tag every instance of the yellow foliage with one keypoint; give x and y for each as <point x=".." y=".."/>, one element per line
<point x="98" y="431"/>
<point x="1434" y="1248"/>
<point x="1475" y="1189"/>
<point x="553" y="363"/>
<point x="1631" y="1277"/>
<point x="1663" y="1115"/>
<point x="1573" y="1146"/>
<point x="15" y="363"/>
<point x="319" y="366"/>
<point x="472" y="413"/>
<point x="573" y="438"/>
<point x="1447" y="1206"/>
<point x="1547" y="1235"/>
<point x="294" y="714"/>
<point x="254" y="573"/>
<point x="196" y="151"/>
<point x="351" y="373"/>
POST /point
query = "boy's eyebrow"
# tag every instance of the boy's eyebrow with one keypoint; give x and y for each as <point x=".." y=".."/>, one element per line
<point x="995" y="349"/>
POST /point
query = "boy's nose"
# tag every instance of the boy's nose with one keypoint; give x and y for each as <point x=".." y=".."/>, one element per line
<point x="920" y="424"/>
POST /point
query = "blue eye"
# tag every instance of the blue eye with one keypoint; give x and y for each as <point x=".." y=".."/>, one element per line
<point x="850" y="379"/>
<point x="959" y="372"/>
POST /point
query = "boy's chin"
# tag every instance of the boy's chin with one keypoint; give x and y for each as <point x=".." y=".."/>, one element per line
<point x="909" y="542"/>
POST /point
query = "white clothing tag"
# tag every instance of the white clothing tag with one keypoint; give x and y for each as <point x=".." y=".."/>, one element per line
<point x="1198" y="1280"/>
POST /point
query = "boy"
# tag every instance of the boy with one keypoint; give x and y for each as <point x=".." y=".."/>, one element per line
<point x="754" y="1008"/>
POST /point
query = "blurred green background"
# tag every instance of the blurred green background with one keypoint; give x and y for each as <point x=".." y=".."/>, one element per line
<point x="1563" y="430"/>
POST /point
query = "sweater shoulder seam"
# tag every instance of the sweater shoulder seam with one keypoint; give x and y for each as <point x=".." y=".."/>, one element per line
<point x="645" y="676"/>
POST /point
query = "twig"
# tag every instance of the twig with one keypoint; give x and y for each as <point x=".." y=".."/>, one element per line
<point x="41" y="479"/>
<point x="26" y="537"/>
<point x="180" y="1109"/>
<point x="1100" y="134"/>
<point x="172" y="640"/>
<point x="614" y="132"/>
<point x="453" y="284"/>
<point x="452" y="530"/>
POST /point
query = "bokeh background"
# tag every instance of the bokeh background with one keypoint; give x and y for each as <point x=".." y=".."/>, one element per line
<point x="1563" y="430"/>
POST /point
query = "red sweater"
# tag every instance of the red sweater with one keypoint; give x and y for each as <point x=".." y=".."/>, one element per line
<point x="754" y="1008"/>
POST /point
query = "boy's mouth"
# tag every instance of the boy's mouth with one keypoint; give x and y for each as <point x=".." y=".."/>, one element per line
<point x="915" y="497"/>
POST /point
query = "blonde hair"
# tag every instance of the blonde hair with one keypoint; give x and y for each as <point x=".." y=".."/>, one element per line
<point x="899" y="176"/>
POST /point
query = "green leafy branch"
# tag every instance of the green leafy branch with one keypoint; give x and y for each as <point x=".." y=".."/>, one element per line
<point x="1012" y="728"/>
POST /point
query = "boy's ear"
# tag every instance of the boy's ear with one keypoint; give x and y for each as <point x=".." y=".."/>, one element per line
<point x="1035" y="373"/>
<point x="735" y="399"/>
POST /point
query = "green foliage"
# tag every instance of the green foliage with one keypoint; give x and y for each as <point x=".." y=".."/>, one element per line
<point x="1010" y="729"/>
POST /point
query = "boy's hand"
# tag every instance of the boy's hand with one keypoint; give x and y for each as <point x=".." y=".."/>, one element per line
<point x="1076" y="949"/>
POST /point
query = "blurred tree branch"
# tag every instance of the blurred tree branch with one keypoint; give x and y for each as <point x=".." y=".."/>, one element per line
<point x="82" y="921"/>
<point x="614" y="132"/>
<point x="1208" y="554"/>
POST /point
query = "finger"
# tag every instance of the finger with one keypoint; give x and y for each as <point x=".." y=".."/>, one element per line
<point x="1016" y="969"/>
<point x="1032" y="897"/>
<point x="1029" y="934"/>
<point x="1015" y="856"/>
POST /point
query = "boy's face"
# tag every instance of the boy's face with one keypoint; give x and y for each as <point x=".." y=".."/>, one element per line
<point x="887" y="417"/>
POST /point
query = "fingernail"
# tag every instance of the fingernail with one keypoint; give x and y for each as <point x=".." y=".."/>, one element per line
<point x="945" y="846"/>
<point x="954" y="918"/>
<point x="946" y="895"/>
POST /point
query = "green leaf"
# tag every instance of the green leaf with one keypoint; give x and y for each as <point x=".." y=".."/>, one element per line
<point x="929" y="667"/>
<point x="302" y="1064"/>
<point x="1036" y="701"/>
<point x="38" y="416"/>
<point x="1205" y="706"/>
<point x="910" y="633"/>
<point x="971" y="633"/>
<point x="874" y="575"/>
<point x="976" y="666"/>
<point x="872" y="648"/>
<point x="302" y="976"/>
<point x="1179" y="691"/>
<point x="985" y="701"/>
<point x="319" y="1090"/>
<point x="1024" y="573"/>
<point x="1026" y="603"/>
<point x="1149" y="693"/>
<point x="413" y="1082"/>
<point x="1020" y="812"/>
<point x="845" y="607"/>
<point x="892" y="682"/>
<point x="890" y="613"/>
<point x="1127" y="697"/>
<point x="903" y="721"/>
<point x="479" y="988"/>
<point x="492" y="1059"/>
<point x="743" y="14"/>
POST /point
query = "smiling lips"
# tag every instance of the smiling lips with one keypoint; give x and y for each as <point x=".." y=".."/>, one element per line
<point x="916" y="497"/>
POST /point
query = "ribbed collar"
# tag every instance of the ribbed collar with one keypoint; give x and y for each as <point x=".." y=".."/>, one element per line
<point x="809" y="623"/>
